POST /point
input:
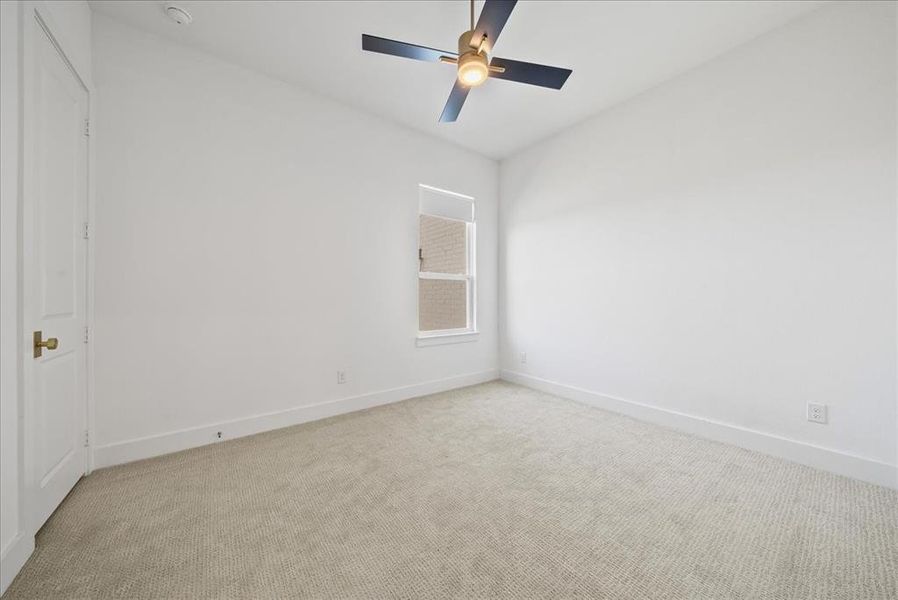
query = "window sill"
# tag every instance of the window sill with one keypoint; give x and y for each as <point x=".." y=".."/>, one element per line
<point x="439" y="339"/>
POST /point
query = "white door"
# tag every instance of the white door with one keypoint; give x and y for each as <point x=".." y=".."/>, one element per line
<point x="55" y="268"/>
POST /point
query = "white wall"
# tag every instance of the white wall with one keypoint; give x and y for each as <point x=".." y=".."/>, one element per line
<point x="724" y="247"/>
<point x="69" y="22"/>
<point x="10" y="484"/>
<point x="251" y="240"/>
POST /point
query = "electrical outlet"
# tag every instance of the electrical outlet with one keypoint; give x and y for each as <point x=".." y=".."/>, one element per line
<point x="523" y="358"/>
<point x="341" y="377"/>
<point x="816" y="413"/>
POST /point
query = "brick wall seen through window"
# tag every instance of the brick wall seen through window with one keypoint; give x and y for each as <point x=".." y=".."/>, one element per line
<point x="443" y="293"/>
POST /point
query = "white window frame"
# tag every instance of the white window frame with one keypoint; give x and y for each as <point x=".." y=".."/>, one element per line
<point x="470" y="332"/>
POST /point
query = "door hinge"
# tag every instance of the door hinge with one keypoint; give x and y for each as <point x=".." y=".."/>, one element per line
<point x="85" y="231"/>
<point x="86" y="334"/>
<point x="87" y="127"/>
<point x="86" y="438"/>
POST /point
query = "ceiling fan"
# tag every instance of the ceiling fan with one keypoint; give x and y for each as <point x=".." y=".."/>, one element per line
<point x="473" y="59"/>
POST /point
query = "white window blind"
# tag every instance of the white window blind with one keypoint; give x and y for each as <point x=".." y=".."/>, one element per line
<point x="449" y="205"/>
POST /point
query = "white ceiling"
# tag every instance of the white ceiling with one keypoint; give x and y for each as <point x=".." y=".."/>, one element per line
<point x="616" y="50"/>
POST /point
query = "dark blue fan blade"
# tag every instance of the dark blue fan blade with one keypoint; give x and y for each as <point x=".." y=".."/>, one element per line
<point x="456" y="100"/>
<point x="524" y="72"/>
<point x="373" y="43"/>
<point x="492" y="19"/>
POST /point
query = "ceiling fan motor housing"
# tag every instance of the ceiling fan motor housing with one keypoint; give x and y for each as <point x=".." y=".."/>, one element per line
<point x="473" y="65"/>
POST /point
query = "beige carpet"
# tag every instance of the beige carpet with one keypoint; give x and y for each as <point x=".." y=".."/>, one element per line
<point x="489" y="491"/>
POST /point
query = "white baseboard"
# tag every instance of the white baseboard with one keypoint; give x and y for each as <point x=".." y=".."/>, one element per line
<point x="13" y="558"/>
<point x="156" y="445"/>
<point x="841" y="463"/>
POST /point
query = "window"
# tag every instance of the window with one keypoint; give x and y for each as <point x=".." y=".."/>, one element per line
<point x="446" y="287"/>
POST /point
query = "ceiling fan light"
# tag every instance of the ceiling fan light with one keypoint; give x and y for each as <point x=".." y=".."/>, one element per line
<point x="472" y="69"/>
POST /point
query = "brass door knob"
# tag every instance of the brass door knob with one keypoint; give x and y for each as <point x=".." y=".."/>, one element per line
<point x="40" y="344"/>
